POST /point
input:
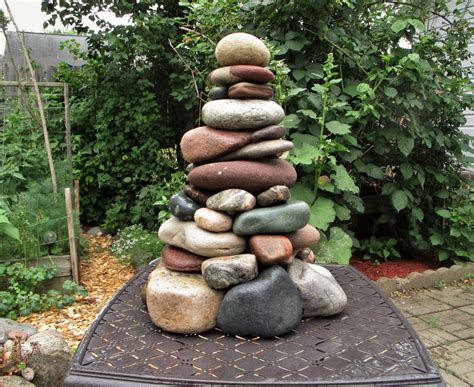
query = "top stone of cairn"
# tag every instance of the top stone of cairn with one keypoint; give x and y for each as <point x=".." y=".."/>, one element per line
<point x="241" y="48"/>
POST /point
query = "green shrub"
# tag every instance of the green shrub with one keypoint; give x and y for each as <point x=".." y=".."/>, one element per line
<point x="135" y="246"/>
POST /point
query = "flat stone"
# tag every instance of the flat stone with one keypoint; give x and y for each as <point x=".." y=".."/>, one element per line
<point x="232" y="200"/>
<point x="271" y="249"/>
<point x="218" y="92"/>
<point x="189" y="236"/>
<point x="230" y="75"/>
<point x="14" y="381"/>
<point x="223" y="272"/>
<point x="238" y="114"/>
<point x="304" y="237"/>
<point x="319" y="290"/>
<point x="198" y="195"/>
<point x="275" y="194"/>
<point x="267" y="306"/>
<point x="251" y="176"/>
<point x="178" y="259"/>
<point x="278" y="219"/>
<point x="204" y="143"/>
<point x="182" y="206"/>
<point x="250" y="90"/>
<point x="258" y="150"/>
<point x="181" y="302"/>
<point x="271" y="132"/>
<point x="212" y="220"/>
<point x="242" y="48"/>
<point x="306" y="255"/>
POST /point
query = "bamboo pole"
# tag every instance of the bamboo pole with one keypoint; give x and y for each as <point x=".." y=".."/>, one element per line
<point x="71" y="234"/>
<point x="47" y="144"/>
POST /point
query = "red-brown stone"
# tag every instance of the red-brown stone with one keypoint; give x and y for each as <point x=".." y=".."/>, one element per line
<point x="304" y="237"/>
<point x="252" y="73"/>
<point x="178" y="259"/>
<point x="271" y="249"/>
<point x="252" y="176"/>
<point x="198" y="195"/>
<point x="250" y="90"/>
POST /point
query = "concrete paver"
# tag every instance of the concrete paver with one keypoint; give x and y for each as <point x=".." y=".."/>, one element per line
<point x="444" y="320"/>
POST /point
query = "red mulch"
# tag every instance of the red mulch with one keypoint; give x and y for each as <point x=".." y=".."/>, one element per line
<point x="393" y="268"/>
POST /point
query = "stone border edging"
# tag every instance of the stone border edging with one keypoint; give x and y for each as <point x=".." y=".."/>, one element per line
<point x="427" y="279"/>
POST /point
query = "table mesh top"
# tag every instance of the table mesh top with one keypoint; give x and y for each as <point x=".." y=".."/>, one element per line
<point x="369" y="342"/>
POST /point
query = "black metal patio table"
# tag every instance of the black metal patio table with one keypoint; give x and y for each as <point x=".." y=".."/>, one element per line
<point x="369" y="343"/>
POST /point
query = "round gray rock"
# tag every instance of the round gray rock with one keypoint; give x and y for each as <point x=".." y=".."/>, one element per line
<point x="270" y="305"/>
<point x="319" y="290"/>
<point x="223" y="272"/>
<point x="242" y="48"/>
<point x="236" y="114"/>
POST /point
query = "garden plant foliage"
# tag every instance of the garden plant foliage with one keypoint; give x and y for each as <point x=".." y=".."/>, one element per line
<point x="374" y="94"/>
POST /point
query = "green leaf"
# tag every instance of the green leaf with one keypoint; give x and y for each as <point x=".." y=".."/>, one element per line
<point x="417" y="214"/>
<point x="298" y="74"/>
<point x="295" y="45"/>
<point x="336" y="249"/>
<point x="322" y="213"/>
<point x="295" y="91"/>
<point x="443" y="213"/>
<point x="436" y="240"/>
<point x="454" y="232"/>
<point x="305" y="154"/>
<point x="343" y="180"/>
<point x="308" y="113"/>
<point x="291" y="121"/>
<point x="407" y="170"/>
<point x="374" y="171"/>
<point x="399" y="200"/>
<point x="342" y="213"/>
<point x="417" y="23"/>
<point x="302" y="192"/>
<point x="354" y="201"/>
<point x="406" y="144"/>
<point x="319" y="88"/>
<point x="414" y="57"/>
<point x="336" y="127"/>
<point x="399" y="25"/>
<point x="390" y="92"/>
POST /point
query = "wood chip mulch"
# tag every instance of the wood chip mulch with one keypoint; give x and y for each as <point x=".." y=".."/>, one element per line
<point x="101" y="275"/>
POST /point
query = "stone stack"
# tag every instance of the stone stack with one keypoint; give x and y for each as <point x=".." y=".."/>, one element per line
<point x="231" y="245"/>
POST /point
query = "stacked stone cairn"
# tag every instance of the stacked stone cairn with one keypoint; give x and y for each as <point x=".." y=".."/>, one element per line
<point x="237" y="252"/>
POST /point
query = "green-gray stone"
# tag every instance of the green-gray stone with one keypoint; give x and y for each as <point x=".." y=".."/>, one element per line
<point x="218" y="92"/>
<point x="284" y="218"/>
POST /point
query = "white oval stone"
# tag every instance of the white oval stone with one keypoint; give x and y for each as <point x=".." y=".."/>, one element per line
<point x="189" y="236"/>
<point x="181" y="302"/>
<point x="235" y="114"/>
<point x="242" y="48"/>
<point x="211" y="220"/>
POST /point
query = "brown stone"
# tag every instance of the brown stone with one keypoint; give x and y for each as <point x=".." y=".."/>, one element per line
<point x="275" y="194"/>
<point x="271" y="249"/>
<point x="232" y="200"/>
<point x="178" y="259"/>
<point x="271" y="132"/>
<point x="252" y="176"/>
<point x="206" y="143"/>
<point x="182" y="302"/>
<point x="231" y="75"/>
<point x="250" y="90"/>
<point x="258" y="150"/>
<point x="212" y="220"/>
<point x="306" y="255"/>
<point x="198" y="195"/>
<point x="304" y="237"/>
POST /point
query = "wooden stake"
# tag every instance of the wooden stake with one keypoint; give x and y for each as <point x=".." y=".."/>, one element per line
<point x="67" y="124"/>
<point x="72" y="239"/>
<point x="76" y="197"/>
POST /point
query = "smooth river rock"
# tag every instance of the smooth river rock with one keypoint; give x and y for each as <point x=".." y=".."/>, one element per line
<point x="319" y="290"/>
<point x="306" y="255"/>
<point x="198" y="195"/>
<point x="212" y="220"/>
<point x="278" y="219"/>
<point x="275" y="194"/>
<point x="223" y="272"/>
<point x="258" y="150"/>
<point x="270" y="305"/>
<point x="182" y="206"/>
<point x="182" y="302"/>
<point x="231" y="75"/>
<point x="271" y="249"/>
<point x="304" y="237"/>
<point x="251" y="176"/>
<point x="232" y="200"/>
<point x="271" y="132"/>
<point x="178" y="259"/>
<point x="206" y="143"/>
<point x="218" y="92"/>
<point x="238" y="114"/>
<point x="242" y="48"/>
<point x="250" y="90"/>
<point x="189" y="236"/>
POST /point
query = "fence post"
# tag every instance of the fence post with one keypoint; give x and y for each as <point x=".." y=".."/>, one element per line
<point x="72" y="239"/>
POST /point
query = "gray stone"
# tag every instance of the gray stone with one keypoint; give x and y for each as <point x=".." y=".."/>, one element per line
<point x="7" y="325"/>
<point x="258" y="150"/>
<point x="319" y="290"/>
<point x="14" y="381"/>
<point x="218" y="92"/>
<point x="49" y="355"/>
<point x="189" y="236"/>
<point x="182" y="206"/>
<point x="270" y="305"/>
<point x="237" y="114"/>
<point x="96" y="231"/>
<point x="275" y="194"/>
<point x="271" y="132"/>
<point x="242" y="48"/>
<point x="282" y="218"/>
<point x="28" y="373"/>
<point x="223" y="272"/>
<point x="232" y="200"/>
<point x="181" y="302"/>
